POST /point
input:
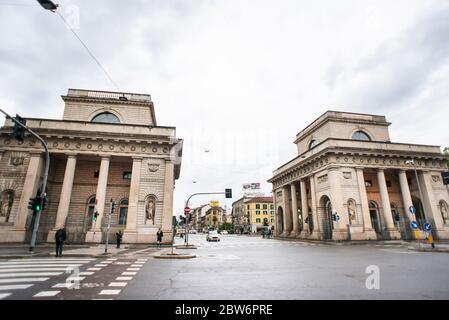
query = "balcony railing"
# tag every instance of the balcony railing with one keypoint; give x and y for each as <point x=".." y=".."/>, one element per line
<point x="124" y="96"/>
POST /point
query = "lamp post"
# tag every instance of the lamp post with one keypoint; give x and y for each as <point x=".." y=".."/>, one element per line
<point x="412" y="162"/>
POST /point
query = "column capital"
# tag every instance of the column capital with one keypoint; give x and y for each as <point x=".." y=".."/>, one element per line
<point x="380" y="170"/>
<point x="71" y="155"/>
<point x="36" y="153"/>
<point x="136" y="159"/>
<point x="105" y="156"/>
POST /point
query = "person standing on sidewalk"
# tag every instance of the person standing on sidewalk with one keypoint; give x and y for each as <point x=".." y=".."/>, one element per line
<point x="60" y="237"/>
<point x="159" y="235"/>
<point x="119" y="238"/>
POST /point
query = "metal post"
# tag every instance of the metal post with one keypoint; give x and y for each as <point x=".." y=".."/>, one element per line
<point x="45" y="178"/>
<point x="109" y="226"/>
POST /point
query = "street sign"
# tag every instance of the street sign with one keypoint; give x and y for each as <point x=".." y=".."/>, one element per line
<point x="186" y="210"/>
<point x="412" y="209"/>
<point x="427" y="227"/>
<point x="414" y="225"/>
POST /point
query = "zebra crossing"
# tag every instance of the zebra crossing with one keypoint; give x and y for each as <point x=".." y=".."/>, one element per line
<point x="227" y="242"/>
<point x="23" y="274"/>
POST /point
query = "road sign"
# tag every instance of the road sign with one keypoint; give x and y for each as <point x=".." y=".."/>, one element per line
<point x="414" y="225"/>
<point x="337" y="217"/>
<point x="412" y="209"/>
<point x="427" y="227"/>
<point x="186" y="210"/>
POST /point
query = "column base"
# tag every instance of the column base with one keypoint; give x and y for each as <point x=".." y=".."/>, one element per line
<point x="94" y="237"/>
<point x="51" y="236"/>
<point x="13" y="235"/>
<point x="315" y="235"/>
<point x="340" y="235"/>
<point x="392" y="234"/>
<point x="294" y="234"/>
<point x="129" y="236"/>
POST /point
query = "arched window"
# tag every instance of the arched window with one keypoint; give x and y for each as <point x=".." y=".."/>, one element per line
<point x="361" y="136"/>
<point x="444" y="209"/>
<point x="313" y="143"/>
<point x="106" y="117"/>
<point x="374" y="216"/>
<point x="123" y="212"/>
<point x="395" y="213"/>
<point x="6" y="201"/>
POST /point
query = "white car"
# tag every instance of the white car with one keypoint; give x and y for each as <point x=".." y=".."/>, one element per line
<point x="224" y="232"/>
<point x="193" y="231"/>
<point x="213" y="236"/>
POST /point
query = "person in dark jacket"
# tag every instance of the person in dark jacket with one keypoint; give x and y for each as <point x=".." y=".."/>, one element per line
<point x="119" y="238"/>
<point x="60" y="237"/>
<point x="159" y="235"/>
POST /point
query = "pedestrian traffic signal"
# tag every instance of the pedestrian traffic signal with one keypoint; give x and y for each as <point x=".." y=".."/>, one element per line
<point x="18" y="132"/>
<point x="96" y="214"/>
<point x="334" y="217"/>
<point x="31" y="203"/>
<point x="44" y="202"/>
<point x="228" y="193"/>
<point x="38" y="204"/>
<point x="112" y="206"/>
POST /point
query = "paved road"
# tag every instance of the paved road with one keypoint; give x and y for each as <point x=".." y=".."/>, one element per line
<point x="237" y="267"/>
<point x="241" y="267"/>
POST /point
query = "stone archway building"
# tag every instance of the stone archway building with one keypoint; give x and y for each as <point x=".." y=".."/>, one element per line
<point x="370" y="182"/>
<point x="107" y="146"/>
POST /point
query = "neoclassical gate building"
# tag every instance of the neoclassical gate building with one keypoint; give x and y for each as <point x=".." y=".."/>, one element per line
<point x="107" y="146"/>
<point x="347" y="165"/>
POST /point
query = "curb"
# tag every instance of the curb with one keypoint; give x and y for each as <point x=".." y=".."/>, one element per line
<point x="178" y="256"/>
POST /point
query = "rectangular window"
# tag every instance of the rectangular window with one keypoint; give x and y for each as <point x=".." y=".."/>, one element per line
<point x="388" y="183"/>
<point x="265" y="212"/>
<point x="96" y="173"/>
<point x="272" y="220"/>
<point x="271" y="206"/>
<point x="272" y="211"/>
<point x="258" y="220"/>
<point x="127" y="175"/>
<point x="368" y="183"/>
<point x="258" y="212"/>
<point x="257" y="206"/>
<point x="265" y="206"/>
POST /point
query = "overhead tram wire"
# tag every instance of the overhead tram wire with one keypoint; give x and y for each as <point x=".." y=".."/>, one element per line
<point x="88" y="51"/>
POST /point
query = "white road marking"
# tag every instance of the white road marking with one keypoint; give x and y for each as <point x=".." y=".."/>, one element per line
<point x="4" y="295"/>
<point x="52" y="262"/>
<point x="137" y="265"/>
<point x="47" y="293"/>
<point x="16" y="287"/>
<point x="110" y="292"/>
<point x="106" y="262"/>
<point x="123" y="278"/>
<point x="111" y="259"/>
<point x="76" y="278"/>
<point x="30" y="274"/>
<point x="48" y="260"/>
<point x="133" y="269"/>
<point x="85" y="273"/>
<point x="14" y="280"/>
<point x="93" y="269"/>
<point x="64" y="285"/>
<point x="100" y="265"/>
<point x="118" y="284"/>
<point x="129" y="273"/>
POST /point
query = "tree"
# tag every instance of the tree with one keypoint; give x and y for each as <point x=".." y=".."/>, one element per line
<point x="226" y="226"/>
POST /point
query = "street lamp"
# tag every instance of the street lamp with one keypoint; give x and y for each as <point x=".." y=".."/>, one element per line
<point x="412" y="162"/>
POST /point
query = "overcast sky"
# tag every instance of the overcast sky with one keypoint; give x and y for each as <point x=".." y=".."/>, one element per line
<point x="237" y="77"/>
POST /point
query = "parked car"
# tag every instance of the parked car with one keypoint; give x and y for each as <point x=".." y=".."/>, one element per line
<point x="224" y="232"/>
<point x="213" y="236"/>
<point x="193" y="231"/>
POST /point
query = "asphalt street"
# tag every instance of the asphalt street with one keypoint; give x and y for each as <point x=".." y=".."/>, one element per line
<point x="237" y="267"/>
<point x="241" y="267"/>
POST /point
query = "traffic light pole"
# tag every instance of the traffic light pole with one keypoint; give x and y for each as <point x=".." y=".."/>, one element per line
<point x="45" y="178"/>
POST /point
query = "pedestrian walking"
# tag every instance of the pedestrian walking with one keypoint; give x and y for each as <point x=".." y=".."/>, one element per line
<point x="159" y="235"/>
<point x="119" y="237"/>
<point x="60" y="237"/>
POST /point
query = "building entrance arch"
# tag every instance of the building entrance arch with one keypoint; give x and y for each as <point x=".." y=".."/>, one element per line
<point x="325" y="212"/>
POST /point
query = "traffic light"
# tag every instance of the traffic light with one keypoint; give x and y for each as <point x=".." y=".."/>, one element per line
<point x="334" y="217"/>
<point x="44" y="202"/>
<point x="228" y="193"/>
<point x="96" y="214"/>
<point x="18" y="132"/>
<point x="38" y="204"/>
<point x="112" y="206"/>
<point x="31" y="203"/>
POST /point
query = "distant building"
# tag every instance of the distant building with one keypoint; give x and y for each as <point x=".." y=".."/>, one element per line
<point x="348" y="168"/>
<point x="107" y="146"/>
<point x="214" y="217"/>
<point x="253" y="213"/>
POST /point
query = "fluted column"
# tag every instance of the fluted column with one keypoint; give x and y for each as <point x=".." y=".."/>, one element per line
<point x="294" y="209"/>
<point x="130" y="234"/>
<point x="304" y="207"/>
<point x="316" y="227"/>
<point x="433" y="214"/>
<point x="406" y="197"/>
<point x="391" y="231"/>
<point x="167" y="213"/>
<point x="95" y="234"/>
<point x="367" y="226"/>
<point x="287" y="211"/>
<point x="65" y="197"/>
<point x="336" y="193"/>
